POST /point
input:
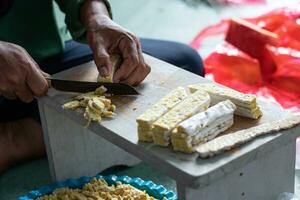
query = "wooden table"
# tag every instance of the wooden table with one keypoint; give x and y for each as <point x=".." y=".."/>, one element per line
<point x="261" y="169"/>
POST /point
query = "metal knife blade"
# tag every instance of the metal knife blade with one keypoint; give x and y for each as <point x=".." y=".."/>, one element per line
<point x="84" y="86"/>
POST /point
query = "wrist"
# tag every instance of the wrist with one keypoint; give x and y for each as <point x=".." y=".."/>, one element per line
<point x="93" y="14"/>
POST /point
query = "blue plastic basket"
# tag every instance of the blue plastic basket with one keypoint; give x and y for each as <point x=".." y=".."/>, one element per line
<point x="157" y="191"/>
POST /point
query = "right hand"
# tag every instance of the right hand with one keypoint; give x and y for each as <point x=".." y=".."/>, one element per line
<point x="20" y="76"/>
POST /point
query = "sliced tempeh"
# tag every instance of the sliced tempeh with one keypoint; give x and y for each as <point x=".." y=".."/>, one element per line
<point x="229" y="141"/>
<point x="197" y="102"/>
<point x="71" y="105"/>
<point x="146" y="120"/>
<point x="246" y="103"/>
<point x="203" y="126"/>
<point x="116" y="61"/>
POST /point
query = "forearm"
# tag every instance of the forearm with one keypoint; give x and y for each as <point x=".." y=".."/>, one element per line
<point x="93" y="12"/>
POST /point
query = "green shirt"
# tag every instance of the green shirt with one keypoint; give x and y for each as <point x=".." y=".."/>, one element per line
<point x="34" y="25"/>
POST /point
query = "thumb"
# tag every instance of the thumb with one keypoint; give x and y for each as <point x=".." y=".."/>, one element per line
<point x="103" y="62"/>
<point x="46" y="75"/>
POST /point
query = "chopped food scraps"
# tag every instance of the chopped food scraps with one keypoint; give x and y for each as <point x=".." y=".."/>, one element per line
<point x="95" y="103"/>
<point x="99" y="189"/>
<point x="72" y="105"/>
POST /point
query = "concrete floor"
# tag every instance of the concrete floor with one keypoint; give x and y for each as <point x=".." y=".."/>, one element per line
<point x="168" y="19"/>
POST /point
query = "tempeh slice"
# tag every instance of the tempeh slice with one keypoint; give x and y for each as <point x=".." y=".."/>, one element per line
<point x="146" y="120"/>
<point x="246" y="103"/>
<point x="203" y="126"/>
<point x="162" y="128"/>
<point x="229" y="141"/>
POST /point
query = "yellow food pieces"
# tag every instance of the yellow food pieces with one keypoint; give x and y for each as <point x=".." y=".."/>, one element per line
<point x="116" y="61"/>
<point x="146" y="120"/>
<point x="100" y="90"/>
<point x="95" y="103"/>
<point x="100" y="190"/>
<point x="72" y="105"/>
<point x="246" y="104"/>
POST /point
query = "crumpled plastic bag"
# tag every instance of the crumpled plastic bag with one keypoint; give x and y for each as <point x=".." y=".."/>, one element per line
<point x="233" y="67"/>
<point x="261" y="55"/>
<point x="270" y="21"/>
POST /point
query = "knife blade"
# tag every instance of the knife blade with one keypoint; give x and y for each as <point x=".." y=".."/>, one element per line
<point x="84" y="86"/>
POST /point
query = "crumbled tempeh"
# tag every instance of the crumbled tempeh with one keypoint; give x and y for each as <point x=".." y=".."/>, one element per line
<point x="99" y="189"/>
<point x="90" y="115"/>
<point x="72" y="105"/>
<point x="116" y="61"/>
<point x="100" y="90"/>
<point x="96" y="105"/>
<point x="112" y="108"/>
<point x="108" y="114"/>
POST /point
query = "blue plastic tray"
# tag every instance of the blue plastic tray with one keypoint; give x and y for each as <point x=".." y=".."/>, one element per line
<point x="157" y="191"/>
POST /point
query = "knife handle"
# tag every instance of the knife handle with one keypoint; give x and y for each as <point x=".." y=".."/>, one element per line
<point x="48" y="79"/>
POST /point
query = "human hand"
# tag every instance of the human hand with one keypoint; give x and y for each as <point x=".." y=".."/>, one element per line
<point x="20" y="76"/>
<point x="105" y="37"/>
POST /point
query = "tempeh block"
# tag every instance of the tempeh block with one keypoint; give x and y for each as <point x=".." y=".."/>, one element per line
<point x="246" y="103"/>
<point x="146" y="120"/>
<point x="203" y="126"/>
<point x="229" y="141"/>
<point x="162" y="128"/>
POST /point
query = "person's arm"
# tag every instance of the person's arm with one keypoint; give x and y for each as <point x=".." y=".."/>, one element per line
<point x="91" y="20"/>
<point x="71" y="8"/>
<point x="106" y="38"/>
<point x="20" y="76"/>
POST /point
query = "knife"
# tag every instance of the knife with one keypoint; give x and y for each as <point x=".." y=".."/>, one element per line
<point x="84" y="86"/>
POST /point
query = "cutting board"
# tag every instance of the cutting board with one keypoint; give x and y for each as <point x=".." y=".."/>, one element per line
<point x="122" y="130"/>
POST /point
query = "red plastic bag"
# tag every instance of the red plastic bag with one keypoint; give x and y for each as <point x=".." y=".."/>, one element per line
<point x="274" y="19"/>
<point x="252" y="40"/>
<point x="262" y="57"/>
<point x="270" y="21"/>
<point x="233" y="68"/>
<point x="289" y="34"/>
<point x="287" y="75"/>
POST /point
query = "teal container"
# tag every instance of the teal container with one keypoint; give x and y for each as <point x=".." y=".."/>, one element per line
<point x="157" y="191"/>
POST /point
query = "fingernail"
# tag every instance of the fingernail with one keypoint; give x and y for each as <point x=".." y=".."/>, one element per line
<point x="103" y="71"/>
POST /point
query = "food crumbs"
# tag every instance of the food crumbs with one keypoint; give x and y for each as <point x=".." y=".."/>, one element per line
<point x="99" y="189"/>
<point x="95" y="103"/>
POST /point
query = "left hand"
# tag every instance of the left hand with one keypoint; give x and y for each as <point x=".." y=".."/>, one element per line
<point x="105" y="38"/>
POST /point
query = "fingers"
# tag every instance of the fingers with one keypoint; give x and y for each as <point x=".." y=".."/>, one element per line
<point x="46" y="75"/>
<point x="9" y="95"/>
<point x="24" y="93"/>
<point x="129" y="51"/>
<point x="20" y="76"/>
<point x="36" y="82"/>
<point x="129" y="73"/>
<point x="103" y="61"/>
<point x="139" y="48"/>
<point x="16" y="87"/>
<point x="138" y="75"/>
